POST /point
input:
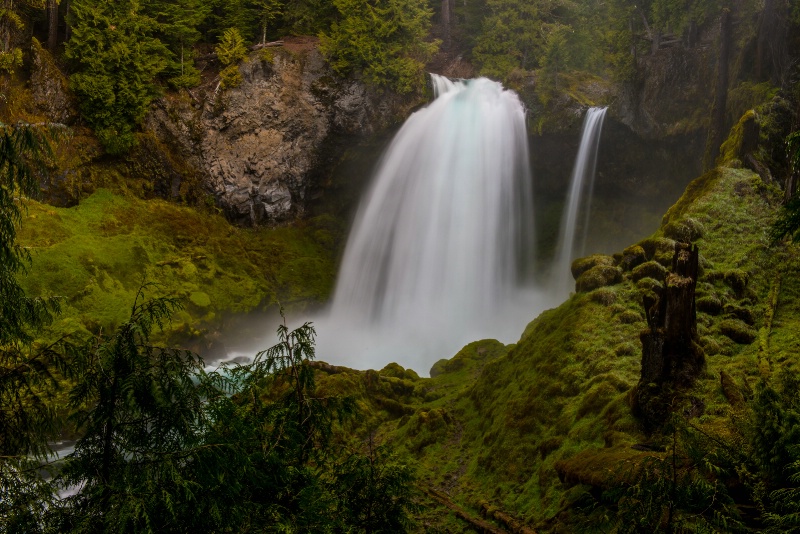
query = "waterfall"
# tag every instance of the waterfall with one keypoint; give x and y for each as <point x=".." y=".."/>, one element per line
<point x="582" y="178"/>
<point x="435" y="254"/>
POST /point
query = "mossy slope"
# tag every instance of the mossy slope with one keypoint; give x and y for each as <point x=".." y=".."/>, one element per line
<point x="98" y="253"/>
<point x="489" y="427"/>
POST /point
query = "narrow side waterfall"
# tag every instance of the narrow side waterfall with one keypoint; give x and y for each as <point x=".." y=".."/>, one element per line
<point x="568" y="247"/>
<point x="436" y="252"/>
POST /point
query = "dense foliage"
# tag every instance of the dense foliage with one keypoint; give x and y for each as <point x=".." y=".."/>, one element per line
<point x="115" y="60"/>
<point x="384" y="39"/>
<point x="167" y="446"/>
<point x="124" y="53"/>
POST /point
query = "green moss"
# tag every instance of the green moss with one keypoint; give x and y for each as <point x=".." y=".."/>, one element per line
<point x="649" y="284"/>
<point x="397" y="371"/>
<point x="731" y="149"/>
<point x="598" y="276"/>
<point x="494" y="421"/>
<point x="99" y="252"/>
<point x="736" y="279"/>
<point x="738" y="331"/>
<point x="581" y="265"/>
<point x="630" y="317"/>
<point x="603" y="296"/>
<point x="685" y="230"/>
<point x="709" y="304"/>
<point x="200" y="299"/>
<point x="697" y="188"/>
<point x="710" y="346"/>
<point x="744" y="314"/>
<point x="632" y="256"/>
<point x="650" y="269"/>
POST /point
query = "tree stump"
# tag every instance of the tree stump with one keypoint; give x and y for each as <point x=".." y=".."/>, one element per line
<point x="671" y="356"/>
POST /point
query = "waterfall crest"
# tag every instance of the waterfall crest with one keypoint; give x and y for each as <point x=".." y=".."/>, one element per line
<point x="583" y="173"/>
<point x="440" y="239"/>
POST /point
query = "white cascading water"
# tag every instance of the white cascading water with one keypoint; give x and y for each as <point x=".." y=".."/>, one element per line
<point x="434" y="257"/>
<point x="582" y="178"/>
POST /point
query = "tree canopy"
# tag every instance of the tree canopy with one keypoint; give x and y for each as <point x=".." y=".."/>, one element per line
<point x="115" y="59"/>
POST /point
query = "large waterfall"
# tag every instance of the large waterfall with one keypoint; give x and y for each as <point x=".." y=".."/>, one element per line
<point x="437" y="252"/>
<point x="569" y="245"/>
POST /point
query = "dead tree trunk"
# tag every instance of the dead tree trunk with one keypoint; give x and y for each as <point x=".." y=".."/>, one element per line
<point x="671" y="357"/>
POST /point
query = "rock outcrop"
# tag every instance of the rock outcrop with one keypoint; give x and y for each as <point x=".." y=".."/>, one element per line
<point x="49" y="88"/>
<point x="259" y="146"/>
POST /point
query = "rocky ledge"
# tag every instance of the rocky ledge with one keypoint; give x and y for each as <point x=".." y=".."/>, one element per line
<point x="259" y="146"/>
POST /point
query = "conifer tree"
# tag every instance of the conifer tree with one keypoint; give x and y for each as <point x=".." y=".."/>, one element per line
<point x="116" y="60"/>
<point x="268" y="12"/>
<point x="178" y="24"/>
<point x="230" y="51"/>
<point x="12" y="21"/>
<point x="28" y="376"/>
<point x="384" y="39"/>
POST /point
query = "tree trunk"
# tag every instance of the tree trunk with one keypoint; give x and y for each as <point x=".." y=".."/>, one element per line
<point x="716" y="134"/>
<point x="5" y="26"/>
<point x="52" y="27"/>
<point x="790" y="186"/>
<point x="772" y="56"/>
<point x="68" y="29"/>
<point x="671" y="357"/>
<point x="446" y="21"/>
<point x="264" y="32"/>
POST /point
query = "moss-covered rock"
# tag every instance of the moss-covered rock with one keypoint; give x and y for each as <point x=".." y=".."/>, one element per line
<point x="649" y="284"/>
<point x="603" y="296"/>
<point x="650" y="269"/>
<point x="685" y="230"/>
<point x="200" y="299"/>
<point x="744" y="314"/>
<point x="439" y="368"/>
<point x="736" y="279"/>
<point x="597" y="277"/>
<point x="710" y="346"/>
<point x="657" y="245"/>
<point x="581" y="265"/>
<point x="710" y="304"/>
<point x="738" y="331"/>
<point x="632" y="256"/>
<point x="630" y="317"/>
<point x="398" y="371"/>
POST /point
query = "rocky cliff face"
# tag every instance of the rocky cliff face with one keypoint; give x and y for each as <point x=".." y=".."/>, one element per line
<point x="49" y="91"/>
<point x="259" y="146"/>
